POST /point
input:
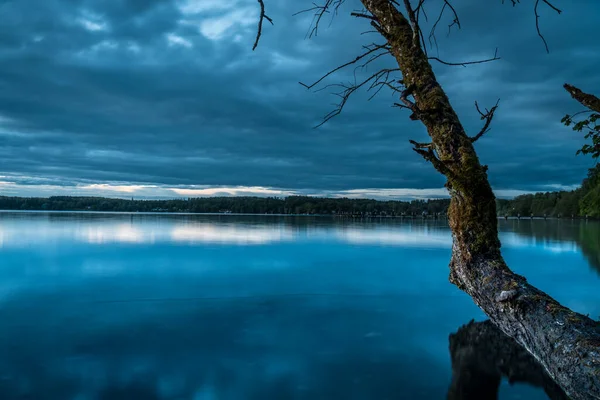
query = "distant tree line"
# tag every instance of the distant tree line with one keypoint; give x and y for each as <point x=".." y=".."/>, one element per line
<point x="581" y="202"/>
<point x="584" y="201"/>
<point x="245" y="205"/>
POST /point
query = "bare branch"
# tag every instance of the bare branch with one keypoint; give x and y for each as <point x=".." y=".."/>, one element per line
<point x="414" y="23"/>
<point x="262" y="17"/>
<point x="434" y="27"/>
<point x="421" y="145"/>
<point x="537" y="17"/>
<point x="375" y="79"/>
<point x="464" y="64"/>
<point x="455" y="21"/>
<point x="487" y="116"/>
<point x="379" y="29"/>
<point x="370" y="50"/>
<point x="409" y="104"/>
<point x="552" y="6"/>
<point x="362" y="15"/>
<point x="537" y="25"/>
<point x="429" y="155"/>
<point x="420" y="9"/>
<point x="320" y="11"/>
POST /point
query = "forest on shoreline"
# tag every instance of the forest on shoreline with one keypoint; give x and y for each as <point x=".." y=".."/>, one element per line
<point x="582" y="202"/>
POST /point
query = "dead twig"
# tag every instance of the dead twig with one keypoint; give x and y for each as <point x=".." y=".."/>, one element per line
<point x="262" y="17"/>
<point x="370" y="50"/>
<point x="487" y="116"/>
<point x="320" y="11"/>
<point x="464" y="64"/>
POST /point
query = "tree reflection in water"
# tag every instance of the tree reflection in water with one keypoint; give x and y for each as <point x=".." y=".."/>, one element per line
<point x="482" y="356"/>
<point x="586" y="235"/>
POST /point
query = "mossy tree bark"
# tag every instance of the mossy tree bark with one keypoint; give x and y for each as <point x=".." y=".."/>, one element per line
<point x="589" y="100"/>
<point x="565" y="343"/>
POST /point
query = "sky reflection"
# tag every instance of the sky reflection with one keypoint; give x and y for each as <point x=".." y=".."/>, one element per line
<point x="98" y="307"/>
<point x="16" y="231"/>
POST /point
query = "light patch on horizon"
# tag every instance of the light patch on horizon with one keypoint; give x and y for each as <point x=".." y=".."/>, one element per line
<point x="148" y="191"/>
<point x="559" y="187"/>
<point x="392" y="193"/>
<point x="115" y="188"/>
<point x="510" y="193"/>
<point x="235" y="191"/>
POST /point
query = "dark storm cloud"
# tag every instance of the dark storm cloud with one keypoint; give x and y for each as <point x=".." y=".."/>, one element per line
<point x="169" y="93"/>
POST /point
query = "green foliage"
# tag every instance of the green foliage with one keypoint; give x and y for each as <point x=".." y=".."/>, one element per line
<point x="591" y="129"/>
<point x="581" y="202"/>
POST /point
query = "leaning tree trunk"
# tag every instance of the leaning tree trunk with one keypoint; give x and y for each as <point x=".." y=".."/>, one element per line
<point x="565" y="343"/>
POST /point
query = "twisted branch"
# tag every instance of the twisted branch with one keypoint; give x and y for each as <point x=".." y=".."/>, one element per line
<point x="372" y="48"/>
<point x="377" y="79"/>
<point x="320" y="11"/>
<point x="487" y="116"/>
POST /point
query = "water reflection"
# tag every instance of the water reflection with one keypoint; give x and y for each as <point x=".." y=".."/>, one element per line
<point x="580" y="234"/>
<point x="255" y="349"/>
<point x="482" y="356"/>
<point x="99" y="306"/>
<point x="21" y="228"/>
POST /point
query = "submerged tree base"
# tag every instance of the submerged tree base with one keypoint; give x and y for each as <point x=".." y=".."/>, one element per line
<point x="565" y="343"/>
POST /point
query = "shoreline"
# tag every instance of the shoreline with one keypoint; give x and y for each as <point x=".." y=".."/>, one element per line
<point x="417" y="217"/>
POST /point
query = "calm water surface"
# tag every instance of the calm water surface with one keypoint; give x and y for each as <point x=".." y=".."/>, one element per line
<point x="104" y="306"/>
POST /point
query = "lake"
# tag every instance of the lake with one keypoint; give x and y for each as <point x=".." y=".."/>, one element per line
<point x="134" y="306"/>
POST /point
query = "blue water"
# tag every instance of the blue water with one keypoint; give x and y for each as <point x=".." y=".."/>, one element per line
<point x="106" y="306"/>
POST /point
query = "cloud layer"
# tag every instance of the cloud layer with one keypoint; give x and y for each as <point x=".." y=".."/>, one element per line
<point x="167" y="96"/>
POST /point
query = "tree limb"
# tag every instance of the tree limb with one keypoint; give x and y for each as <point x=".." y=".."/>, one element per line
<point x="487" y="116"/>
<point x="320" y="11"/>
<point x="537" y="17"/>
<point x="464" y="64"/>
<point x="430" y="156"/>
<point x="412" y="16"/>
<point x="370" y="50"/>
<point x="588" y="100"/>
<point x="261" y="18"/>
<point x="409" y="104"/>
<point x="376" y="81"/>
<point x="362" y="15"/>
<point x="455" y="21"/>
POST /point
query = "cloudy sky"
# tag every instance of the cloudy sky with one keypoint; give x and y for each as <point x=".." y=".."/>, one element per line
<point x="165" y="98"/>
